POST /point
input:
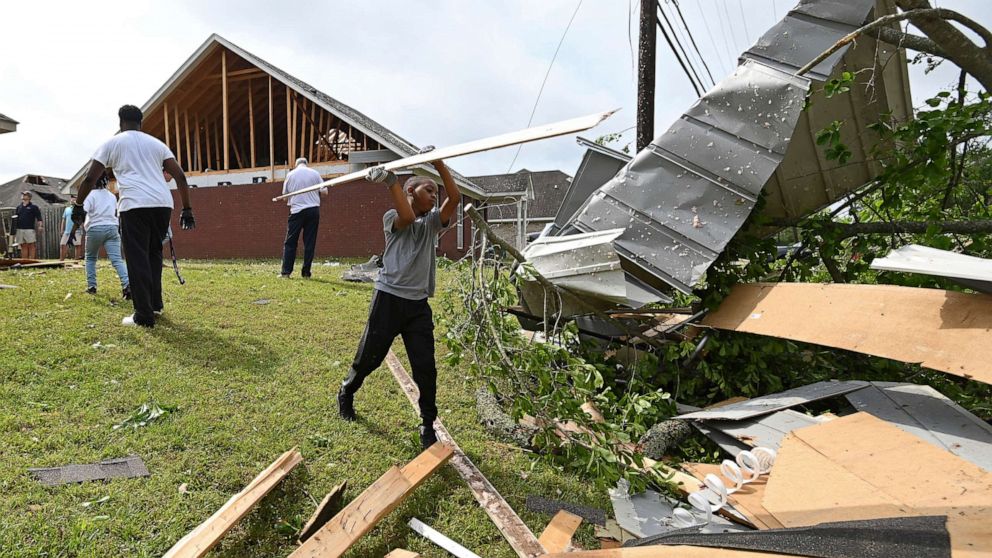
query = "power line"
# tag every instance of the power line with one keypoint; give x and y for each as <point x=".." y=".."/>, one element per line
<point x="693" y="40"/>
<point x="545" y="81"/>
<point x="677" y="49"/>
<point x="723" y="31"/>
<point x="672" y="47"/>
<point x="706" y="25"/>
<point x="747" y="34"/>
<point x="730" y="24"/>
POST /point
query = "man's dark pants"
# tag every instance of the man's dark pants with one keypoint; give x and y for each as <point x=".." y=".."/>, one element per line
<point x="305" y="220"/>
<point x="142" y="232"/>
<point x="390" y="316"/>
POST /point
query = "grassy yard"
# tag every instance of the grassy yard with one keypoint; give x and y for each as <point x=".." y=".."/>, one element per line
<point x="251" y="379"/>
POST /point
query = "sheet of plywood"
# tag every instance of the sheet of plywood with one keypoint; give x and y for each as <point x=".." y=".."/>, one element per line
<point x="513" y="138"/>
<point x="382" y="497"/>
<point x="523" y="541"/>
<point x="557" y="536"/>
<point x="942" y="330"/>
<point x="747" y="501"/>
<point x="199" y="541"/>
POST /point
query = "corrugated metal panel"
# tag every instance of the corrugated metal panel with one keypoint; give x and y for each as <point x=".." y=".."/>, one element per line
<point x="687" y="194"/>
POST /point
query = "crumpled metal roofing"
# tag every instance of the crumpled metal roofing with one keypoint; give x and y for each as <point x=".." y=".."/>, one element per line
<point x="682" y="198"/>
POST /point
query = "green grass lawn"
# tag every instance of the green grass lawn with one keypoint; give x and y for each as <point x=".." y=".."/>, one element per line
<point x="250" y="381"/>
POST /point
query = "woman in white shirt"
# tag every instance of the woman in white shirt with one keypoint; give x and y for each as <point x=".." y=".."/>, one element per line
<point x="102" y="232"/>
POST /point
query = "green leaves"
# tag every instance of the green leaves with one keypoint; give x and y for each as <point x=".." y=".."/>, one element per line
<point x="839" y="85"/>
<point x="146" y="414"/>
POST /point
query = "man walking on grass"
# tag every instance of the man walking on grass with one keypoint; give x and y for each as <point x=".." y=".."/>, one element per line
<point x="304" y="216"/>
<point x="145" y="207"/>
<point x="399" y="302"/>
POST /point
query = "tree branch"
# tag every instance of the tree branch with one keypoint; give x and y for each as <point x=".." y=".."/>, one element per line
<point x="906" y="40"/>
<point x="848" y="230"/>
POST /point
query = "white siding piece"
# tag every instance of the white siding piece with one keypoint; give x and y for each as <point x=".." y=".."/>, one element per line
<point x="777" y="401"/>
<point x="972" y="272"/>
<point x="924" y="412"/>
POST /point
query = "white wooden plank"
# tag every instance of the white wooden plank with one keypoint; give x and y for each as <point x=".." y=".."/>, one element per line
<point x="912" y="258"/>
<point x="513" y="138"/>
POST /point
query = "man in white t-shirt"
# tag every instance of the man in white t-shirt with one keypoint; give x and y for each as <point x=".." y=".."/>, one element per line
<point x="145" y="207"/>
<point x="304" y="216"/>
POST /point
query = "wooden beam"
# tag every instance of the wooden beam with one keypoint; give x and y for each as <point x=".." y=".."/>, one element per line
<point x="179" y="150"/>
<point x="199" y="158"/>
<point x="557" y="536"/>
<point x="223" y="81"/>
<point x="251" y="123"/>
<point x="382" y="497"/>
<point x="272" y="136"/>
<point x="313" y="107"/>
<point x="293" y="156"/>
<point x="189" y="149"/>
<point x="289" y="129"/>
<point x="165" y="109"/>
<point x="247" y="73"/>
<point x="523" y="541"/>
<point x="220" y="160"/>
<point x="237" y="153"/>
<point x="199" y="541"/>
<point x="210" y="151"/>
<point x="322" y="134"/>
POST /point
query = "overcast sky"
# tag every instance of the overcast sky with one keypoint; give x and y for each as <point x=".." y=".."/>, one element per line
<point x="435" y="72"/>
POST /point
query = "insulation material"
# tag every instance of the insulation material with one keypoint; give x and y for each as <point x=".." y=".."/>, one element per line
<point x="127" y="467"/>
<point x="925" y="413"/>
<point x="972" y="272"/>
<point x="860" y="467"/>
<point x="898" y="537"/>
<point x="942" y="330"/>
<point x="777" y="401"/>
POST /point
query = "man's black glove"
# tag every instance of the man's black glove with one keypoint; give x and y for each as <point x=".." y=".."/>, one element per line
<point x="78" y="214"/>
<point x="381" y="175"/>
<point x="186" y="220"/>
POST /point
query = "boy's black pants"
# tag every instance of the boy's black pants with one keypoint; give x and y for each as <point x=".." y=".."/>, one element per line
<point x="142" y="232"/>
<point x="390" y="316"/>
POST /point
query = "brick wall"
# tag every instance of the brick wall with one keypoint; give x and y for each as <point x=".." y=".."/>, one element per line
<point x="244" y="222"/>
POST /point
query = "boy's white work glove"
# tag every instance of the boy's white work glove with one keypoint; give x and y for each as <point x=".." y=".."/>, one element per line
<point x="381" y="175"/>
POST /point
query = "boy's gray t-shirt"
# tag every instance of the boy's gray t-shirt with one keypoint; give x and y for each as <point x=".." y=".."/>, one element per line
<point x="409" y="260"/>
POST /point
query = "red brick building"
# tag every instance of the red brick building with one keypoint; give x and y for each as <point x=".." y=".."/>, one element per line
<point x="237" y="123"/>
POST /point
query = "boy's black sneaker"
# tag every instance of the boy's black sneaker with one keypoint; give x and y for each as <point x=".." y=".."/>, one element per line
<point x="90" y="290"/>
<point x="427" y="436"/>
<point x="125" y="292"/>
<point x="346" y="406"/>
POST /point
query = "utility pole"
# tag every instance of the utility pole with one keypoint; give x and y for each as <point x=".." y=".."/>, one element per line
<point x="645" y="73"/>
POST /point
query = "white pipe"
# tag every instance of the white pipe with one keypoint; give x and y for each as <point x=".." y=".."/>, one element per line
<point x="437" y="538"/>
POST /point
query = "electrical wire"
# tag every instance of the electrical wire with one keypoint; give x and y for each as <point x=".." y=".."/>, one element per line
<point x="692" y="39"/>
<point x="678" y="50"/>
<point x="730" y="24"/>
<point x="545" y="81"/>
<point x="723" y="31"/>
<point x="683" y="43"/>
<point x="747" y="34"/>
<point x="709" y="33"/>
<point x="672" y="47"/>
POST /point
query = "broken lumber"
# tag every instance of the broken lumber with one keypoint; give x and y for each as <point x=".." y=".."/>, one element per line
<point x="328" y="508"/>
<point x="557" y="536"/>
<point x="377" y="501"/>
<point x="513" y="138"/>
<point x="521" y="539"/>
<point x="402" y="553"/>
<point x="199" y="541"/>
<point x="941" y="330"/>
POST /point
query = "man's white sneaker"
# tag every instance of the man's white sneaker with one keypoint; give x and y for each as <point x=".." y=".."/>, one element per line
<point x="128" y="321"/>
<point x="158" y="312"/>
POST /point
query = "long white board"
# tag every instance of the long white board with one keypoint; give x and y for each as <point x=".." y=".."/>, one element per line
<point x="555" y="129"/>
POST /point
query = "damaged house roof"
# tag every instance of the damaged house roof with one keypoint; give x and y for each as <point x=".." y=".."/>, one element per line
<point x="7" y="124"/>
<point x="545" y="191"/>
<point x="46" y="190"/>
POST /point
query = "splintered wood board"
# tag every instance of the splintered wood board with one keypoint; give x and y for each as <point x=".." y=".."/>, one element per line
<point x="199" y="541"/>
<point x="942" y="330"/>
<point x="380" y="498"/>
<point x="557" y="536"/>
<point x="504" y="140"/>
